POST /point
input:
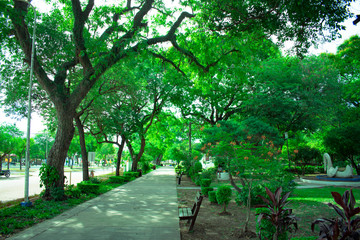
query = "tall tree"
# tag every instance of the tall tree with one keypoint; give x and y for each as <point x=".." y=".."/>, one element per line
<point x="99" y="37"/>
<point x="10" y="137"/>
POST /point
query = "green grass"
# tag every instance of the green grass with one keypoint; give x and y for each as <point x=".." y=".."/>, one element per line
<point x="311" y="204"/>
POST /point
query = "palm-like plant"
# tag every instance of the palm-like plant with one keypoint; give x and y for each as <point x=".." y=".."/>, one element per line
<point x="280" y="217"/>
<point x="344" y="228"/>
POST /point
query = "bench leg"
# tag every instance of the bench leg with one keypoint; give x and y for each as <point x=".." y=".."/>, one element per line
<point x="191" y="228"/>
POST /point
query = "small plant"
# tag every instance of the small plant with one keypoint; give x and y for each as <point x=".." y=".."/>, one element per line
<point x="280" y="217"/>
<point x="346" y="227"/>
<point x="212" y="196"/>
<point x="88" y="188"/>
<point x="205" y="191"/>
<point x="48" y="176"/>
<point x="223" y="196"/>
<point x="95" y="180"/>
<point x="117" y="179"/>
<point x="205" y="182"/>
<point x="72" y="192"/>
<point x="266" y="227"/>
<point x="132" y="174"/>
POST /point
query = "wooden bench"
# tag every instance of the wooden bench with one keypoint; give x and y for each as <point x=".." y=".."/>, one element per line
<point x="190" y="214"/>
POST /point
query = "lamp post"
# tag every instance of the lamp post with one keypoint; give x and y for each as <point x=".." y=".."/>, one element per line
<point x="287" y="144"/>
<point x="26" y="202"/>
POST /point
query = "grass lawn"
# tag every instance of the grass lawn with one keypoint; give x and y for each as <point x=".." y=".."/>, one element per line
<point x="311" y="204"/>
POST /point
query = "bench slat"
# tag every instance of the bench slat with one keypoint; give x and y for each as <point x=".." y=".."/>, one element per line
<point x="191" y="213"/>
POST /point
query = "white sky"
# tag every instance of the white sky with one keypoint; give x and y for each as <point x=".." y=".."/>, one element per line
<point x="36" y="122"/>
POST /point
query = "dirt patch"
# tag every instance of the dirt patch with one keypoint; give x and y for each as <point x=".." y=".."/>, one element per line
<point x="210" y="223"/>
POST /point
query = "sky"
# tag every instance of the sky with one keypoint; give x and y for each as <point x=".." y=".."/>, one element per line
<point x="36" y="121"/>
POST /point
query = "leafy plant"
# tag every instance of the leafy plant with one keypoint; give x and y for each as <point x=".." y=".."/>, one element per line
<point x="48" y="176"/>
<point x="212" y="196"/>
<point x="346" y="227"/>
<point x="280" y="217"/>
<point x="267" y="229"/>
<point x="205" y="182"/>
<point x="205" y="191"/>
<point x="223" y="196"/>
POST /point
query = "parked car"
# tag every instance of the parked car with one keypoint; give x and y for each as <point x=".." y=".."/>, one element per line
<point x="6" y="173"/>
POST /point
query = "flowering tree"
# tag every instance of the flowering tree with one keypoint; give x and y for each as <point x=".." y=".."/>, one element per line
<point x="251" y="159"/>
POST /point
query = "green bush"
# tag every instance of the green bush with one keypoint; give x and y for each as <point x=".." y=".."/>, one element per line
<point x="196" y="178"/>
<point x="304" y="238"/>
<point x="179" y="169"/>
<point x="223" y="195"/>
<point x="145" y="167"/>
<point x="197" y="167"/>
<point x="116" y="179"/>
<point x="132" y="174"/>
<point x="205" y="190"/>
<point x="72" y="192"/>
<point x="209" y="173"/>
<point x="205" y="182"/>
<point x="242" y="197"/>
<point x="212" y="196"/>
<point x="95" y="180"/>
<point x="88" y="187"/>
<point x="267" y="229"/>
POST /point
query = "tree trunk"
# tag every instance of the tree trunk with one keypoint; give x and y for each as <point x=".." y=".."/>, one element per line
<point x="138" y="156"/>
<point x="354" y="165"/>
<point x="84" y="155"/>
<point x="58" y="152"/>
<point x="119" y="154"/>
<point x="158" y="159"/>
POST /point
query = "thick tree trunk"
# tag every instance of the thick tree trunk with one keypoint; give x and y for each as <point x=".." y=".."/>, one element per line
<point x="138" y="156"/>
<point x="158" y="159"/>
<point x="119" y="154"/>
<point x="84" y="155"/>
<point x="58" y="152"/>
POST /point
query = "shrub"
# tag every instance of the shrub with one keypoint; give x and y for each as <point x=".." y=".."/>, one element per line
<point x="223" y="196"/>
<point x="95" y="180"/>
<point x="345" y="227"/>
<point x="267" y="229"/>
<point x="132" y="174"/>
<point x="205" y="190"/>
<point x="209" y="173"/>
<point x="72" y="192"/>
<point x="145" y="167"/>
<point x="88" y="188"/>
<point x="242" y="197"/>
<point x="212" y="196"/>
<point x="196" y="178"/>
<point x="280" y="217"/>
<point x="304" y="238"/>
<point x="197" y="167"/>
<point x="117" y="179"/>
<point x="205" y="182"/>
<point x="179" y="169"/>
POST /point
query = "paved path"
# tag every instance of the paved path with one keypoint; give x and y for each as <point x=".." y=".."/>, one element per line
<point x="143" y="209"/>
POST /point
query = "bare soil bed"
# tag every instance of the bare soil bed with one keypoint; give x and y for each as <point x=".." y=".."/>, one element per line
<point x="212" y="225"/>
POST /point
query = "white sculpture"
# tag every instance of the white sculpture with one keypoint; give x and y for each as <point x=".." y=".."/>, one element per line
<point x="333" y="172"/>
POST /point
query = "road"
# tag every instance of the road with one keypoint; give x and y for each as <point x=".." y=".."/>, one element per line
<point x="12" y="188"/>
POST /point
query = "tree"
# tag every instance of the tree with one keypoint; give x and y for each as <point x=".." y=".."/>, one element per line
<point x="344" y="141"/>
<point x="245" y="157"/>
<point x="292" y="94"/>
<point x="10" y="138"/>
<point x="304" y="22"/>
<point x="88" y="51"/>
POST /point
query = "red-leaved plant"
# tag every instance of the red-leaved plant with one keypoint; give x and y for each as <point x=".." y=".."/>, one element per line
<point x="344" y="228"/>
<point x="280" y="217"/>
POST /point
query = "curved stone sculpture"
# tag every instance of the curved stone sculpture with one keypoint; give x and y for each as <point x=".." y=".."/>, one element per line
<point x="333" y="172"/>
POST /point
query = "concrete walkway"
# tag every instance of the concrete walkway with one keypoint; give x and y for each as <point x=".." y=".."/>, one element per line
<point x="143" y="209"/>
